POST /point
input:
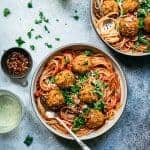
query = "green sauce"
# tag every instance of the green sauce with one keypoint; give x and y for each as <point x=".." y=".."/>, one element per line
<point x="10" y="112"/>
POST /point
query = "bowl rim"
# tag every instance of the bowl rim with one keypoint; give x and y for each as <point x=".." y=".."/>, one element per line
<point x="22" y="109"/>
<point x="114" y="62"/>
<point x="113" y="48"/>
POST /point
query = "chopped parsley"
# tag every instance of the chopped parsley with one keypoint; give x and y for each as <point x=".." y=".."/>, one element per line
<point x="52" y="80"/>
<point x="82" y="77"/>
<point x="78" y="122"/>
<point x="38" y="37"/>
<point x="32" y="47"/>
<point x="142" y="39"/>
<point x="30" y="33"/>
<point x="48" y="45"/>
<point x="20" y="41"/>
<point x="96" y="74"/>
<point x="6" y="12"/>
<point x="68" y="99"/>
<point x="98" y="88"/>
<point x="148" y="48"/>
<point x="75" y="89"/>
<point x="141" y="23"/>
<point x="46" y="29"/>
<point x="57" y="39"/>
<point x="88" y="52"/>
<point x="41" y="18"/>
<point x="76" y="17"/>
<point x="30" y="4"/>
<point x="28" y="141"/>
<point x="99" y="105"/>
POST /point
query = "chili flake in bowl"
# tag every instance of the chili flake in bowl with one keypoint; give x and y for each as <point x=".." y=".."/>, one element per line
<point x="16" y="63"/>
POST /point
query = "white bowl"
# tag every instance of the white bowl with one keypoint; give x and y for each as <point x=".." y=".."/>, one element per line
<point x="108" y="123"/>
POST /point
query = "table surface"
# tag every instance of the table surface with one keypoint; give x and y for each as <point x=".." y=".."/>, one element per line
<point x="132" y="131"/>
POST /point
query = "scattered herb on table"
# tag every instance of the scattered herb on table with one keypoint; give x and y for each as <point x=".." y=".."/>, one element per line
<point x="32" y="47"/>
<point x="76" y="17"/>
<point x="30" y="4"/>
<point x="30" y="33"/>
<point x="57" y="39"/>
<point x="41" y="18"/>
<point x="38" y="21"/>
<point x="46" y="29"/>
<point x="20" y="41"/>
<point x="28" y="141"/>
<point x="6" y="12"/>
<point x="48" y="45"/>
<point x="38" y="37"/>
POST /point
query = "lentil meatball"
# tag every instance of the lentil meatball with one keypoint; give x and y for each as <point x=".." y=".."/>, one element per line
<point x="87" y="94"/>
<point x="81" y="64"/>
<point x="147" y="24"/>
<point x="95" y="119"/>
<point x="109" y="6"/>
<point x="65" y="79"/>
<point x="130" y="5"/>
<point x="128" y="26"/>
<point x="55" y="99"/>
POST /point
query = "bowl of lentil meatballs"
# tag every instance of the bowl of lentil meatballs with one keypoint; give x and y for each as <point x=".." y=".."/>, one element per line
<point x="124" y="25"/>
<point x="83" y="86"/>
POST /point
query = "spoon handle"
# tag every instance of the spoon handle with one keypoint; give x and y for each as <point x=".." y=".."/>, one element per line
<point x="83" y="145"/>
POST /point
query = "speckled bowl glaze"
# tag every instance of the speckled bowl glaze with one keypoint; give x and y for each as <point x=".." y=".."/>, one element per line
<point x="109" y="123"/>
<point x="113" y="48"/>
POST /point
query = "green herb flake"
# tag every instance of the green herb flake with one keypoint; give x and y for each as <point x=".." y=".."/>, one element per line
<point x="28" y="141"/>
<point x="78" y="122"/>
<point x="20" y="41"/>
<point x="99" y="105"/>
<point x="48" y="45"/>
<point x="68" y="99"/>
<point x="37" y="21"/>
<point x="38" y="37"/>
<point x="96" y="74"/>
<point x="76" y="11"/>
<point x="29" y="34"/>
<point x="82" y="77"/>
<point x="52" y="80"/>
<point x="75" y="89"/>
<point x="88" y="52"/>
<point x="6" y="12"/>
<point x="57" y="39"/>
<point x="76" y="17"/>
<point x="141" y="23"/>
<point x="142" y="39"/>
<point x="32" y="47"/>
<point x="46" y="29"/>
<point x="30" y="4"/>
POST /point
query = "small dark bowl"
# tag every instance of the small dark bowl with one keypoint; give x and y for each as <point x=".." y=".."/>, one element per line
<point x="22" y="78"/>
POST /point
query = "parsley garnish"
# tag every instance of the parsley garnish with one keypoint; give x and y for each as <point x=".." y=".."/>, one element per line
<point x="41" y="19"/>
<point x="141" y="23"/>
<point x="19" y="41"/>
<point x="99" y="105"/>
<point x="48" y="45"/>
<point x="82" y="77"/>
<point x="68" y="99"/>
<point x="32" y="47"/>
<point x="88" y="52"/>
<point x="28" y="141"/>
<point x="6" y="12"/>
<point x="52" y="80"/>
<point x="78" y="122"/>
<point x="30" y="33"/>
<point x="30" y="4"/>
<point x="142" y="39"/>
<point x="75" y="88"/>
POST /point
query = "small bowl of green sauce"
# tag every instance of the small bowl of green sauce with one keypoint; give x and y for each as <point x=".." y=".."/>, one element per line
<point x="11" y="111"/>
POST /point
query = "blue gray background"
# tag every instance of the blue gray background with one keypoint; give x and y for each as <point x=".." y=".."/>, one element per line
<point x="132" y="131"/>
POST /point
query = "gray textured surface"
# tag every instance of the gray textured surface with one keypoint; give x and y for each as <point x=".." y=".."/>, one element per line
<point x="132" y="132"/>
